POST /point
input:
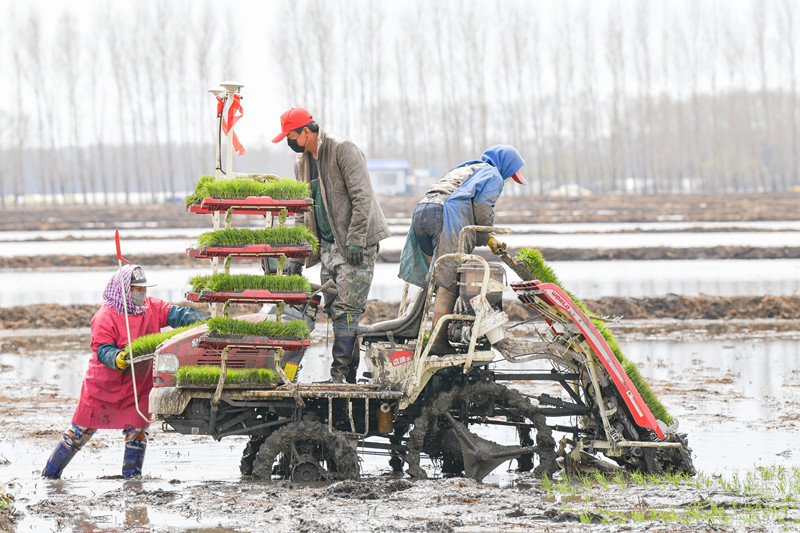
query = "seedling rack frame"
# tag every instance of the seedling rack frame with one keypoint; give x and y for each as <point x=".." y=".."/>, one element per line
<point x="252" y="205"/>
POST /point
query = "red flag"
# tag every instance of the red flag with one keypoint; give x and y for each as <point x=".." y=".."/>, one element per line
<point x="235" y="112"/>
<point x="119" y="249"/>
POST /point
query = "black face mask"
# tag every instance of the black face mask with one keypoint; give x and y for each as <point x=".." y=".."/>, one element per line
<point x="294" y="146"/>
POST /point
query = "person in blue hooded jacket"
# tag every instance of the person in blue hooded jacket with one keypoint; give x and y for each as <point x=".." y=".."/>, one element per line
<point x="465" y="196"/>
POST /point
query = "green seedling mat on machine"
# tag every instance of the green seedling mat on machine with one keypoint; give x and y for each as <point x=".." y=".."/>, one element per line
<point x="208" y="376"/>
<point x="147" y="344"/>
<point x="532" y="260"/>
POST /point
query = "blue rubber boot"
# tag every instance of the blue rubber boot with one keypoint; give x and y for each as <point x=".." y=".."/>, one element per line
<point x="59" y="459"/>
<point x="133" y="461"/>
<point x="344" y="338"/>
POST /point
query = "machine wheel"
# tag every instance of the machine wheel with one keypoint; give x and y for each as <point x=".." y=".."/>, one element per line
<point x="308" y="452"/>
<point x="436" y="425"/>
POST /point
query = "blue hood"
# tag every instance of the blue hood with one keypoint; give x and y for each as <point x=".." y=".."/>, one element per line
<point x="504" y="158"/>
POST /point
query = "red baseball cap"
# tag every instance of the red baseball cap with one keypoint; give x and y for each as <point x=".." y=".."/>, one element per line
<point x="295" y="118"/>
<point x="517" y="176"/>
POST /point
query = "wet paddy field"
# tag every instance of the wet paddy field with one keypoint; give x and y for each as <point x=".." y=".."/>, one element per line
<point x="734" y="386"/>
<point x="737" y="397"/>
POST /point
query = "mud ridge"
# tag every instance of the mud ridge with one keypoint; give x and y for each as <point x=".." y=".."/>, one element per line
<point x="672" y="306"/>
<point x="510" y="209"/>
<point x="47" y="262"/>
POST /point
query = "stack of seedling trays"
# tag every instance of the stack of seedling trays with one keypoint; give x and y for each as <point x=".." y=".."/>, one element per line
<point x="247" y="196"/>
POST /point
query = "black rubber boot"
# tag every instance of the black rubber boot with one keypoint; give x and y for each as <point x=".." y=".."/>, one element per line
<point x="344" y="339"/>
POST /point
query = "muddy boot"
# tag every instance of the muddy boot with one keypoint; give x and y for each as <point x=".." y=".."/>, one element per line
<point x="60" y="458"/>
<point x="133" y="461"/>
<point x="444" y="304"/>
<point x="352" y="367"/>
<point x="344" y="338"/>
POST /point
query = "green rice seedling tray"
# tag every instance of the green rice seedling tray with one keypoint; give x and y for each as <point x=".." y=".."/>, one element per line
<point x="244" y="385"/>
<point x="250" y="250"/>
<point x="275" y="236"/>
<point x="207" y="377"/>
<point x="252" y="205"/>
<point x="249" y="295"/>
<point x="244" y="187"/>
<point x="219" y="341"/>
<point x="221" y="282"/>
<point x="147" y="344"/>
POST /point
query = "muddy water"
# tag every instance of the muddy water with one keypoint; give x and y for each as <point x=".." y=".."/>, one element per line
<point x="589" y="279"/>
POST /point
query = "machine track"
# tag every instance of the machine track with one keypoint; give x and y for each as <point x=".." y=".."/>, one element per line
<point x="310" y="452"/>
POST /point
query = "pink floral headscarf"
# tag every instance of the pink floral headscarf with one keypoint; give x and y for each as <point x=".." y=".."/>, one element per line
<point x="113" y="292"/>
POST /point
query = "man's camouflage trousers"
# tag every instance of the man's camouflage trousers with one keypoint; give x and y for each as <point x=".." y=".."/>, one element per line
<point x="352" y="283"/>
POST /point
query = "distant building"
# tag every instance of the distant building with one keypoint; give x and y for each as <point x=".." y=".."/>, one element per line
<point x="389" y="176"/>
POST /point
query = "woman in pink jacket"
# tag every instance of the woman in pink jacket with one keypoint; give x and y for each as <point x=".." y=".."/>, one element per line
<point x="107" y="395"/>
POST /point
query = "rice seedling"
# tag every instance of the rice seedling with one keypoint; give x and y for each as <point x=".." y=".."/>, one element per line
<point x="547" y="485"/>
<point x="637" y="516"/>
<point x="532" y="260"/>
<point x="278" y="235"/>
<point x="676" y="478"/>
<point x="210" y="375"/>
<point x="639" y="479"/>
<point x="620" y="479"/>
<point x="767" y="472"/>
<point x="565" y="486"/>
<point x="281" y="188"/>
<point x="750" y="484"/>
<point x="655" y="479"/>
<point x="227" y="282"/>
<point x="147" y="344"/>
<point x="267" y="328"/>
<point x="693" y="514"/>
<point x="601" y="479"/>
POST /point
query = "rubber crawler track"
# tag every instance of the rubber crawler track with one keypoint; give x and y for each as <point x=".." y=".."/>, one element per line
<point x="341" y="456"/>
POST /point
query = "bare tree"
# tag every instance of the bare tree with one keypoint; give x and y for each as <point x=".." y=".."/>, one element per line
<point x="788" y="38"/>
<point x="615" y="58"/>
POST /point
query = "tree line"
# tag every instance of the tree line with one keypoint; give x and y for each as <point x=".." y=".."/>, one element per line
<point x="623" y="97"/>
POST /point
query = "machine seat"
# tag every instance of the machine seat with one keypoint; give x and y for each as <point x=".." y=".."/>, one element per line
<point x="401" y="328"/>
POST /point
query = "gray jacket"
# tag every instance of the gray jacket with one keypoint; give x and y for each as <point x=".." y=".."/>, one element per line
<point x="355" y="216"/>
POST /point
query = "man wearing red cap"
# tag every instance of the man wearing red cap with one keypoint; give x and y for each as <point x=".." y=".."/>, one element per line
<point x="347" y="220"/>
<point x="465" y="196"/>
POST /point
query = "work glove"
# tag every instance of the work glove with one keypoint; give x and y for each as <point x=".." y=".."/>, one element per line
<point x="497" y="247"/>
<point x="293" y="268"/>
<point x="354" y="255"/>
<point x="122" y="360"/>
